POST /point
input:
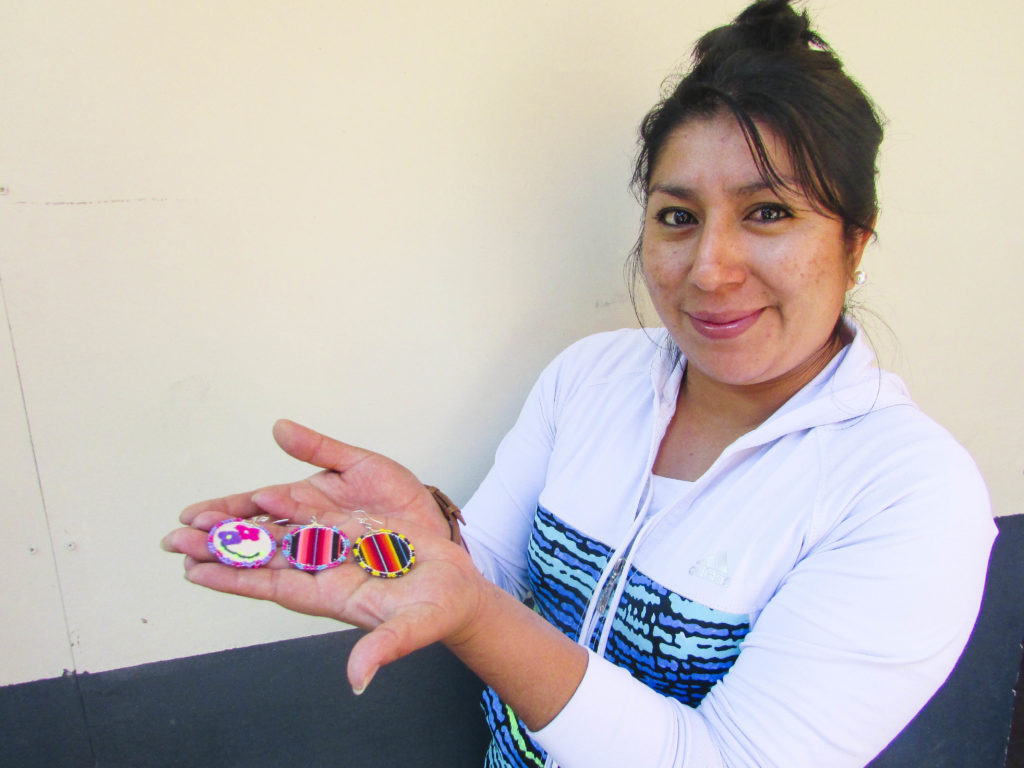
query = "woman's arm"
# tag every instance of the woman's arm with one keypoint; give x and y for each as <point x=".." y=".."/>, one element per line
<point x="443" y="598"/>
<point x="530" y="664"/>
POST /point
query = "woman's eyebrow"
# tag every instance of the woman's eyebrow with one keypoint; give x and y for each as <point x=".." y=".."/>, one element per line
<point x="743" y="190"/>
<point x="673" y="190"/>
<point x="753" y="188"/>
<point x="783" y="187"/>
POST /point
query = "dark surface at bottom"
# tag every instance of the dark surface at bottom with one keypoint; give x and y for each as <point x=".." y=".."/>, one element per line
<point x="280" y="704"/>
<point x="967" y="722"/>
<point x="289" y="704"/>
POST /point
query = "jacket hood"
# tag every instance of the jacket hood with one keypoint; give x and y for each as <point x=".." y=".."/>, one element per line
<point x="849" y="387"/>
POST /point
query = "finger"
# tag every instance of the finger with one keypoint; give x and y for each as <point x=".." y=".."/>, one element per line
<point x="415" y="628"/>
<point x="321" y="594"/>
<point x="191" y="542"/>
<point x="194" y="541"/>
<point x="259" y="584"/>
<point x="314" y="448"/>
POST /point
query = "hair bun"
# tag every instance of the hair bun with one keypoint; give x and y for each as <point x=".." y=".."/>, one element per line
<point x="774" y="25"/>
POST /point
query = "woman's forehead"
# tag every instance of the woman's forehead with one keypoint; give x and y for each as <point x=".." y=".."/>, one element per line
<point x="715" y="151"/>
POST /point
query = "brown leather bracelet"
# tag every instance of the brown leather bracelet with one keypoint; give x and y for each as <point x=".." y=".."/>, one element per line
<point x="451" y="513"/>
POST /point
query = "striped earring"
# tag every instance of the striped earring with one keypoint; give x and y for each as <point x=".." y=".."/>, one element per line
<point x="381" y="552"/>
<point x="315" y="547"/>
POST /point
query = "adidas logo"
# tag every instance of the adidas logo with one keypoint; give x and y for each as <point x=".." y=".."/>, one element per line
<point x="714" y="569"/>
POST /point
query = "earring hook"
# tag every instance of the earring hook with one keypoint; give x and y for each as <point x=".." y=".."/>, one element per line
<point x="363" y="518"/>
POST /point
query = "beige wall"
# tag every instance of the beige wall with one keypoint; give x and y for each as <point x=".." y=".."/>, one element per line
<point x="382" y="220"/>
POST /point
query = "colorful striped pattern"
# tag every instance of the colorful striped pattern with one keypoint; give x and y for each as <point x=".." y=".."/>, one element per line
<point x="511" y="746"/>
<point x="315" y="547"/>
<point x="384" y="553"/>
<point x="674" y="645"/>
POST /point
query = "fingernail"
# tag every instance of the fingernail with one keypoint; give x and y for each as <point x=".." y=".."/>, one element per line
<point x="358" y="691"/>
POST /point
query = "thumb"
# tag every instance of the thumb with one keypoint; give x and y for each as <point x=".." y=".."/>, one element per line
<point x="314" y="448"/>
<point x="388" y="642"/>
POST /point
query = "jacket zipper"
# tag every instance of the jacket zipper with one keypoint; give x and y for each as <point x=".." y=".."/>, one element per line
<point x="609" y="587"/>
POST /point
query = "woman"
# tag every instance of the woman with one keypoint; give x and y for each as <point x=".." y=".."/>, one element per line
<point x="743" y="542"/>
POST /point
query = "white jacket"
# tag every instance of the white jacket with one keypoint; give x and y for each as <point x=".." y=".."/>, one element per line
<point x="821" y="578"/>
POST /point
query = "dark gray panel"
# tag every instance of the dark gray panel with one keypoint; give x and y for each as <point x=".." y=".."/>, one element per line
<point x="967" y="722"/>
<point x="273" y="705"/>
<point x="286" y="703"/>
<point x="41" y="724"/>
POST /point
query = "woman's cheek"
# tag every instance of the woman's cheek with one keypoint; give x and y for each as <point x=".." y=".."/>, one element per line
<point x="662" y="273"/>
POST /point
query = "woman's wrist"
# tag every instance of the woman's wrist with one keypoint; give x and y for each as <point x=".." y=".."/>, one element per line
<point x="531" y="665"/>
<point x="451" y="513"/>
<point x="480" y="596"/>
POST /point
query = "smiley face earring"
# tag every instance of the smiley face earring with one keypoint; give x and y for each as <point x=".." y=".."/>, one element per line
<point x="240" y="543"/>
<point x="381" y="552"/>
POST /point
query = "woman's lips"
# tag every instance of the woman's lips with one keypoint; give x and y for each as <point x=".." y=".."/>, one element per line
<point x="723" y="325"/>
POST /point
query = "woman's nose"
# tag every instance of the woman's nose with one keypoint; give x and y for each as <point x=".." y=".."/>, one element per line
<point x="718" y="258"/>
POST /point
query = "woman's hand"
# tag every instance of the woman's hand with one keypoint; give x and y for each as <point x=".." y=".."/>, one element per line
<point x="438" y="600"/>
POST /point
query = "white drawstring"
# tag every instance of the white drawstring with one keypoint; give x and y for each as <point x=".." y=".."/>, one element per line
<point x="619" y="564"/>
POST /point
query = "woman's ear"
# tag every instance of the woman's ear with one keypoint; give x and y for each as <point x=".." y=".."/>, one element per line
<point x="856" y="243"/>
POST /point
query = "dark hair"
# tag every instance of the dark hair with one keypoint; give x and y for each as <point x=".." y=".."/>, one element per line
<point x="770" y="67"/>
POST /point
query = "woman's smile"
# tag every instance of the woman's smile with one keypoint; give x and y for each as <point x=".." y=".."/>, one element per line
<point x="723" y="325"/>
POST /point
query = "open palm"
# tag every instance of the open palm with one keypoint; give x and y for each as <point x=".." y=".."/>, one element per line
<point x="435" y="601"/>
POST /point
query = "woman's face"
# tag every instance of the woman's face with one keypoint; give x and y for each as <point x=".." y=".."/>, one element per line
<point x="748" y="282"/>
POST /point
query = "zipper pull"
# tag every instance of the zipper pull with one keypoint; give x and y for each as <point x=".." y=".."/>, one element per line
<point x="609" y="586"/>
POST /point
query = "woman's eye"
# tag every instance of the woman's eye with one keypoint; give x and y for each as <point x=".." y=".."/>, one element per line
<point x="770" y="213"/>
<point x="676" y="217"/>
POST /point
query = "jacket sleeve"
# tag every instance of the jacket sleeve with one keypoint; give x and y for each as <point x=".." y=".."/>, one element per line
<point x="855" y="640"/>
<point x="500" y="513"/>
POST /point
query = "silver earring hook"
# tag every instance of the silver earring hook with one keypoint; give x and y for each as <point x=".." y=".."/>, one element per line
<point x="363" y="518"/>
<point x="266" y="519"/>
